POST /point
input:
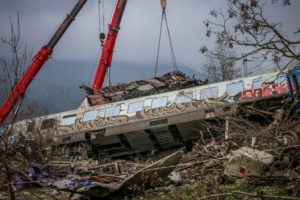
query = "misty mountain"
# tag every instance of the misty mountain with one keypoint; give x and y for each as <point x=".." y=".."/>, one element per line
<point x="56" y="87"/>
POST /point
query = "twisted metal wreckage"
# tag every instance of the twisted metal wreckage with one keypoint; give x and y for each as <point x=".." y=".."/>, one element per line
<point x="163" y="120"/>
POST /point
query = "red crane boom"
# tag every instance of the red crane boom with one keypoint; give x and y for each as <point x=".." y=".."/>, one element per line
<point x="109" y="45"/>
<point x="37" y="62"/>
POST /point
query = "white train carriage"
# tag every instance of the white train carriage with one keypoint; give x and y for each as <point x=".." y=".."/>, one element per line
<point x="162" y="120"/>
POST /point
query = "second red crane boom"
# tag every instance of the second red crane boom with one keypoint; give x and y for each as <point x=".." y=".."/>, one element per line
<point x="109" y="45"/>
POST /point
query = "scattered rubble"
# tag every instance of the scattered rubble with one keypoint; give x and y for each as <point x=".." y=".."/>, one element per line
<point x="117" y="181"/>
<point x="231" y="163"/>
<point x="96" y="180"/>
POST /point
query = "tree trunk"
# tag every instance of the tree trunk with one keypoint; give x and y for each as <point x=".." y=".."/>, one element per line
<point x="9" y="178"/>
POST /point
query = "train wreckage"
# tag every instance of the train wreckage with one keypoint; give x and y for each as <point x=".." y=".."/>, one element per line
<point x="160" y="113"/>
<point x="153" y="115"/>
<point x="150" y="117"/>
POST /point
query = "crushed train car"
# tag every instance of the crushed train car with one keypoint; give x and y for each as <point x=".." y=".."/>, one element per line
<point x="169" y="116"/>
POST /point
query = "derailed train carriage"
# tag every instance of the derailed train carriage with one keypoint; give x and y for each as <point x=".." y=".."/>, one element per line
<point x="157" y="114"/>
<point x="138" y="117"/>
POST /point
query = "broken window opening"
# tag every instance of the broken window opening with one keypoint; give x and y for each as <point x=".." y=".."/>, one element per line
<point x="159" y="102"/>
<point x="183" y="99"/>
<point x="256" y="84"/>
<point x="135" y="107"/>
<point x="113" y="111"/>
<point x="90" y="115"/>
<point x="68" y="120"/>
<point x="209" y="93"/>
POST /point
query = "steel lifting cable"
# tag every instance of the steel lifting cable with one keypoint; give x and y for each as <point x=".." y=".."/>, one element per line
<point x="103" y="16"/>
<point x="100" y="31"/>
<point x="171" y="45"/>
<point x="101" y="25"/>
<point x="99" y="16"/>
<point x="102" y="36"/>
<point x="164" y="18"/>
<point x="159" y="41"/>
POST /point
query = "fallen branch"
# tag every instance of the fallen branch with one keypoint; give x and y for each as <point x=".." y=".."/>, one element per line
<point x="216" y="195"/>
<point x="200" y="162"/>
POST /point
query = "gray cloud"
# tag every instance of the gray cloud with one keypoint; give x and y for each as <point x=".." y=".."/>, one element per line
<point x="76" y="55"/>
<point x="137" y="42"/>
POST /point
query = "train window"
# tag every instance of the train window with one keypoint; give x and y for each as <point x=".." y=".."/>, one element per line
<point x="112" y="111"/>
<point x="183" y="99"/>
<point x="90" y="115"/>
<point x="135" y="107"/>
<point x="68" y="120"/>
<point x="256" y="84"/>
<point x="159" y="102"/>
<point x="209" y="93"/>
<point x="281" y="79"/>
<point x="48" y="123"/>
<point x="235" y="88"/>
<point x="31" y="126"/>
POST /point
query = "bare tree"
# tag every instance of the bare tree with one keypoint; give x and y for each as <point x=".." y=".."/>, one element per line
<point x="245" y="27"/>
<point x="220" y="65"/>
<point x="14" y="64"/>
<point x="15" y="145"/>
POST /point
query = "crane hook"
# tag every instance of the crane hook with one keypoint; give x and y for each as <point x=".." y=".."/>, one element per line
<point x="163" y="5"/>
<point x="102" y="38"/>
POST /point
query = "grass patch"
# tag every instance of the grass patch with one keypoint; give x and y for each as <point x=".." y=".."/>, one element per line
<point x="190" y="192"/>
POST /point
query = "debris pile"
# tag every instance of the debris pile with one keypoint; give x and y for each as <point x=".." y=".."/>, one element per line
<point x="259" y="155"/>
<point x="168" y="82"/>
<point x="256" y="156"/>
<point x="253" y="152"/>
<point x="86" y="167"/>
<point x="249" y="154"/>
<point x="89" y="178"/>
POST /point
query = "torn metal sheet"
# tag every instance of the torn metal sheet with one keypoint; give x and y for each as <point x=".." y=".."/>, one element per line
<point x="247" y="162"/>
<point x="168" y="82"/>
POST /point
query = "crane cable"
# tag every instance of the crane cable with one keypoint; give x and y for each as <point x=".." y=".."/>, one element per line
<point x="102" y="36"/>
<point x="101" y="18"/>
<point x="159" y="41"/>
<point x="164" y="18"/>
<point x="101" y="30"/>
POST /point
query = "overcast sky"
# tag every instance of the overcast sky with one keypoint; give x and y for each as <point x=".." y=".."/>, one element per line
<point x="137" y="41"/>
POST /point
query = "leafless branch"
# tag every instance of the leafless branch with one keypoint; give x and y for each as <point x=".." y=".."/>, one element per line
<point x="245" y="27"/>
